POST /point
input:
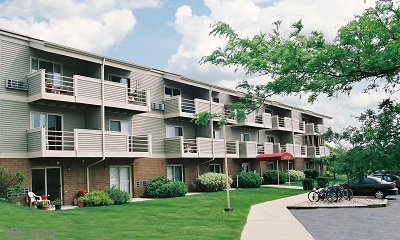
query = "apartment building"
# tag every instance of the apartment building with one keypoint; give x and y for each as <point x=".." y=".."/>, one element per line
<point x="73" y="120"/>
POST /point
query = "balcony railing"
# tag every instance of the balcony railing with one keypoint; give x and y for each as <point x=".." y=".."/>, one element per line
<point x="181" y="107"/>
<point x="281" y="123"/>
<point x="247" y="149"/>
<point x="315" y="152"/>
<point x="295" y="149"/>
<point x="265" y="148"/>
<point x="178" y="147"/>
<point x="313" y="129"/>
<point x="256" y="120"/>
<point x="86" y="143"/>
<point x="86" y="90"/>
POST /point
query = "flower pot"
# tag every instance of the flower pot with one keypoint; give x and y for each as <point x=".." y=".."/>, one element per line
<point x="46" y="207"/>
<point x="57" y="207"/>
<point x="81" y="204"/>
<point x="39" y="206"/>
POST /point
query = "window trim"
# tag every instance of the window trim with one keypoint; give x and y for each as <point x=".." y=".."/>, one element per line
<point x="128" y="80"/>
<point x="213" y="165"/>
<point x="172" y="91"/>
<point x="242" y="137"/>
<point x="271" y="138"/>
<point x="130" y="175"/>
<point x="172" y="126"/>
<point x="175" y="165"/>
<point x="120" y="125"/>
<point x="45" y="60"/>
<point x="47" y="117"/>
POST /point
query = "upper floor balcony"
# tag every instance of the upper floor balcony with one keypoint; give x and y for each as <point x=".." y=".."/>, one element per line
<point x="178" y="107"/>
<point x="248" y="149"/>
<point x="298" y="151"/>
<point x="85" y="90"/>
<point x="315" y="152"/>
<point x="265" y="148"/>
<point x="178" y="147"/>
<point x="314" y="129"/>
<point x="256" y="120"/>
<point x="287" y="124"/>
<point x="86" y="143"/>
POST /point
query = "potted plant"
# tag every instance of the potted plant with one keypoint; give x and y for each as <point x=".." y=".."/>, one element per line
<point x="46" y="205"/>
<point x="39" y="205"/>
<point x="57" y="203"/>
<point x="81" y="201"/>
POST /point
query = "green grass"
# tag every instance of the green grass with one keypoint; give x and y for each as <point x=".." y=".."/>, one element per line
<point x="199" y="216"/>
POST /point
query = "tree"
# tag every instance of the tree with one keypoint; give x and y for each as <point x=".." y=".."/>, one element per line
<point x="364" y="50"/>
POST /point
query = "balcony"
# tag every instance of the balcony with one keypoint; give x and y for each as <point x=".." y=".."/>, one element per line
<point x="178" y="147"/>
<point x="178" y="107"/>
<point x="314" y="129"/>
<point x="298" y="126"/>
<point x="298" y="151"/>
<point x="85" y="90"/>
<point x="316" y="152"/>
<point x="86" y="143"/>
<point x="265" y="148"/>
<point x="256" y="120"/>
<point x="281" y="123"/>
<point x="248" y="149"/>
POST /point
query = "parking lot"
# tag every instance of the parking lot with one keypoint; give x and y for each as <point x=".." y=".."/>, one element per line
<point x="352" y="223"/>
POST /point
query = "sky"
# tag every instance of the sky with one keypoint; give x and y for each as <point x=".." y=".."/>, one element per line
<point x="173" y="35"/>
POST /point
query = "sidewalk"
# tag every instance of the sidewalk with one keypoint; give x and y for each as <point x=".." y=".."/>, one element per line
<point x="272" y="220"/>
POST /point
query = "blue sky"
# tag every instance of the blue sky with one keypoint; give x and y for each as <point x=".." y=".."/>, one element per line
<point x="172" y="35"/>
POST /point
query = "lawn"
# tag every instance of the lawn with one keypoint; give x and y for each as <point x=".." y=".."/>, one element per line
<point x="199" y="216"/>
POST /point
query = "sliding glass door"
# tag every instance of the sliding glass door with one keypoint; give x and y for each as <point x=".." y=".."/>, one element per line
<point x="47" y="181"/>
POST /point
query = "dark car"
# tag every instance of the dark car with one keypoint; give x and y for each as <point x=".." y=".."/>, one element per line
<point x="388" y="178"/>
<point x="372" y="186"/>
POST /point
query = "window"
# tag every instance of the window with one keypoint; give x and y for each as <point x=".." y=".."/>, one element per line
<point x="217" y="134"/>
<point x="172" y="131"/>
<point x="120" y="177"/>
<point x="244" y="137"/>
<point x="216" y="168"/>
<point x="53" y="125"/>
<point x="270" y="166"/>
<point x="245" y="167"/>
<point x="49" y="67"/>
<point x="170" y="91"/>
<point x="121" y="126"/>
<point x="119" y="79"/>
<point x="290" y="165"/>
<point x="270" y="139"/>
<point x="215" y="99"/>
<point x="174" y="172"/>
<point x="307" y="165"/>
<point x="305" y="120"/>
<point x="266" y="110"/>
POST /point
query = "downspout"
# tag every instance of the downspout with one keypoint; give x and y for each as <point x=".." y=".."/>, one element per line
<point x="102" y="127"/>
<point x="212" y="134"/>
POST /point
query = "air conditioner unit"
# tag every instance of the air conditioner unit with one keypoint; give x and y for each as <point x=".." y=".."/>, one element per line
<point x="157" y="106"/>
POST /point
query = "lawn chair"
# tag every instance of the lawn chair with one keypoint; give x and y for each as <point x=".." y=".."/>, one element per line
<point x="33" y="198"/>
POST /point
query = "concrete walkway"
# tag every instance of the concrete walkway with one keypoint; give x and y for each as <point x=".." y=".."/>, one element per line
<point x="272" y="220"/>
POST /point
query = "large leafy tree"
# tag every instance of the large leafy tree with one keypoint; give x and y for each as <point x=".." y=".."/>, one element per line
<point x="365" y="51"/>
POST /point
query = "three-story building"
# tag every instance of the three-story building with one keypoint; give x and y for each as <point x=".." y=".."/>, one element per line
<point x="73" y="120"/>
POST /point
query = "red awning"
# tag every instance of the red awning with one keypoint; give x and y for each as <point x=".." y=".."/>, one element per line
<point x="274" y="156"/>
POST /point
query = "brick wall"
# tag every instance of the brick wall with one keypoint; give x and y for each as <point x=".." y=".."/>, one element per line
<point x="18" y="165"/>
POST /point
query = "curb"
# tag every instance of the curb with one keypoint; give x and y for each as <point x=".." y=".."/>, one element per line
<point x="375" y="205"/>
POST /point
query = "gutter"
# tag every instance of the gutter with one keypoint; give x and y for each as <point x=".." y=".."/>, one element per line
<point x="102" y="128"/>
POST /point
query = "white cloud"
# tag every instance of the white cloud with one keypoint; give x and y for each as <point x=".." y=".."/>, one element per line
<point x="91" y="25"/>
<point x="250" y="17"/>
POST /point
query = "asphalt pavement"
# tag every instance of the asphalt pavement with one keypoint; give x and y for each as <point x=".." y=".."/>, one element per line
<point x="352" y="223"/>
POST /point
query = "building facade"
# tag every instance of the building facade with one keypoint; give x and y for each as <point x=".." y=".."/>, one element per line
<point x="73" y="120"/>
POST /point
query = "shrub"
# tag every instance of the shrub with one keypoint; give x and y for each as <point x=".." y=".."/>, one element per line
<point x="9" y="181"/>
<point x="97" y="198"/>
<point x="322" y="182"/>
<point x="308" y="184"/>
<point x="296" y="175"/>
<point x="249" y="180"/>
<point x="160" y="187"/>
<point x="327" y="174"/>
<point x="272" y="177"/>
<point x="211" y="182"/>
<point x="119" y="196"/>
<point x="311" y="173"/>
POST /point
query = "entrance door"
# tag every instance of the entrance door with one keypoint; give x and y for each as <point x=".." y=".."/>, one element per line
<point x="120" y="178"/>
<point x="47" y="181"/>
<point x="55" y="128"/>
